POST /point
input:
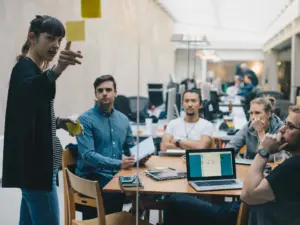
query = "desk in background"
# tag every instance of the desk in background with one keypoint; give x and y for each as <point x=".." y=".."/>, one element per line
<point x="235" y="101"/>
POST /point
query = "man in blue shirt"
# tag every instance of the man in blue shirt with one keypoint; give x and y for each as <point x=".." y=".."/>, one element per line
<point x="104" y="147"/>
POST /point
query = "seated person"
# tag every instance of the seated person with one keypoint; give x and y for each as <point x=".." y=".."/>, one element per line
<point x="250" y="81"/>
<point x="100" y="150"/>
<point x="191" y="132"/>
<point x="282" y="185"/>
<point x="262" y="121"/>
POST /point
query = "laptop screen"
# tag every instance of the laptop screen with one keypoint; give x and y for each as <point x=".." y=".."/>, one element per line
<point x="210" y="164"/>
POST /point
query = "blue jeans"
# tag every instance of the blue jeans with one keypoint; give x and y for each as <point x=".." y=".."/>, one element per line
<point x="40" y="207"/>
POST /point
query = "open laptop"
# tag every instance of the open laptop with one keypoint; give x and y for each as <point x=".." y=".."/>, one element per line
<point x="212" y="169"/>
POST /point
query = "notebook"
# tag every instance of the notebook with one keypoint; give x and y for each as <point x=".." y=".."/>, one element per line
<point x="212" y="169"/>
<point x="169" y="174"/>
<point x="130" y="181"/>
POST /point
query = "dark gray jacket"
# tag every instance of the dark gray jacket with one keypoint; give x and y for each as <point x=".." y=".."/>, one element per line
<point x="248" y="136"/>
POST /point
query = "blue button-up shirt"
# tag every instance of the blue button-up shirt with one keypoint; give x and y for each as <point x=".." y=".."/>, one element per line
<point x="106" y="137"/>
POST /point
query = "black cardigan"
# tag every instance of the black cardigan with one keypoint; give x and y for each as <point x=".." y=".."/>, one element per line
<point x="28" y="151"/>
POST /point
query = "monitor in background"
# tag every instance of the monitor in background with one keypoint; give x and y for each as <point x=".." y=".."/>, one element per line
<point x="205" y="90"/>
<point x="172" y="78"/>
<point x="171" y="104"/>
<point x="181" y="91"/>
<point x="214" y="98"/>
<point x="217" y="86"/>
<point x="156" y="94"/>
<point x="207" y="110"/>
<point x="178" y="101"/>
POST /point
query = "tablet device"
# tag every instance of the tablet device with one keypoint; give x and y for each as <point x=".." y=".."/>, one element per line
<point x="144" y="149"/>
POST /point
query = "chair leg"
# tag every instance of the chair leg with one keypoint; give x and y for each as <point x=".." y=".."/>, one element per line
<point x="160" y="217"/>
<point x="147" y="215"/>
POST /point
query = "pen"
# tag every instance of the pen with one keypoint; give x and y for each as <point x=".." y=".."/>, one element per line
<point x="171" y="168"/>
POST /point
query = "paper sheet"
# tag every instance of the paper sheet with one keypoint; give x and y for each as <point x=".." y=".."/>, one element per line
<point x="90" y="8"/>
<point x="75" y="30"/>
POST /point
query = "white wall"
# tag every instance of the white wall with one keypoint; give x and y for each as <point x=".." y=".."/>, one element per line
<point x="220" y="38"/>
<point x="287" y="16"/>
<point x="285" y="55"/>
<point x="181" y="62"/>
<point x="111" y="46"/>
<point x="241" y="55"/>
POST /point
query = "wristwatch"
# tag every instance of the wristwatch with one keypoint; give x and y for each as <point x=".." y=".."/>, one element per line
<point x="264" y="153"/>
<point x="177" y="143"/>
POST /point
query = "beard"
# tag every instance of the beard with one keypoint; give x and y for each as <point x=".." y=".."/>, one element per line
<point x="190" y="113"/>
<point x="291" y="147"/>
<point x="103" y="105"/>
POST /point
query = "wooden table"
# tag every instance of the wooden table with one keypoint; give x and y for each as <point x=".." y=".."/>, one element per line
<point x="170" y="186"/>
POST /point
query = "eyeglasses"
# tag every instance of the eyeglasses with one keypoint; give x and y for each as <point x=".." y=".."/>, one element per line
<point x="100" y="90"/>
<point x="290" y="126"/>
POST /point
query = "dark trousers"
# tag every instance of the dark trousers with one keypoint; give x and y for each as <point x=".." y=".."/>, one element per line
<point x="113" y="202"/>
<point x="186" y="209"/>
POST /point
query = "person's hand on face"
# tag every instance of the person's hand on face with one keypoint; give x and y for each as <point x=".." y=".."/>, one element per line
<point x="258" y="124"/>
<point x="67" y="57"/>
<point x="273" y="143"/>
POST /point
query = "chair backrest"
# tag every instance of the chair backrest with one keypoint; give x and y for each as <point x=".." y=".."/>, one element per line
<point x="143" y="107"/>
<point x="243" y="215"/>
<point x="284" y="106"/>
<point x="68" y="160"/>
<point x="143" y="103"/>
<point x="87" y="188"/>
<point x="276" y="94"/>
<point x="122" y="104"/>
<point x="275" y="213"/>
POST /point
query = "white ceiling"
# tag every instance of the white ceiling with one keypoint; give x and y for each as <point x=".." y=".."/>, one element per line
<point x="230" y="20"/>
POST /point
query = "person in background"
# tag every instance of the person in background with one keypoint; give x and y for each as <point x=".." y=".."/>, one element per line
<point x="104" y="148"/>
<point x="281" y="185"/>
<point x="250" y="81"/>
<point x="235" y="89"/>
<point x="244" y="68"/>
<point x="32" y="152"/>
<point x="262" y="121"/>
<point x="192" y="132"/>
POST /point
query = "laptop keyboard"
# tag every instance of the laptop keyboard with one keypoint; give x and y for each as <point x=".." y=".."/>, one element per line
<point x="215" y="183"/>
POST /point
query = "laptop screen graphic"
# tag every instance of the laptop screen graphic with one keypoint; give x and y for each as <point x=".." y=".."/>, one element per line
<point x="210" y="164"/>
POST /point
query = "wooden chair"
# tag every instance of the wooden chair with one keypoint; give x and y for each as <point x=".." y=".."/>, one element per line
<point x="69" y="161"/>
<point x="92" y="190"/>
<point x="243" y="215"/>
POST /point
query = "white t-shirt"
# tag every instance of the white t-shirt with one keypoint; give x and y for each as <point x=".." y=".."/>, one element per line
<point x="183" y="130"/>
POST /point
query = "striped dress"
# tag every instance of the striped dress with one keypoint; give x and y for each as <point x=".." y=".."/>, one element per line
<point x="57" y="147"/>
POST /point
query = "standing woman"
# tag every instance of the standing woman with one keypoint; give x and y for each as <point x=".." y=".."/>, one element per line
<point x="32" y="152"/>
